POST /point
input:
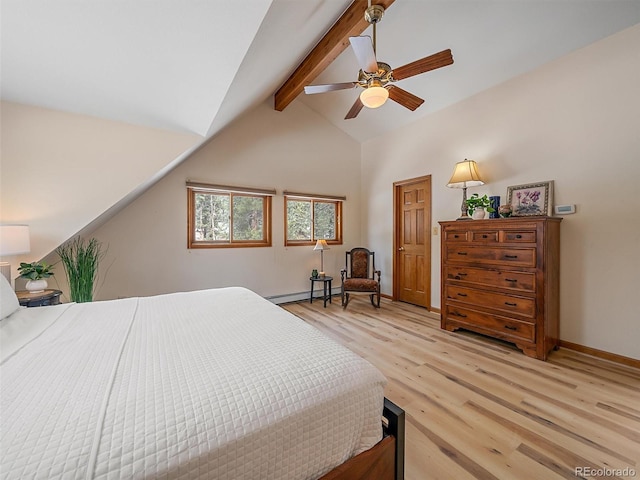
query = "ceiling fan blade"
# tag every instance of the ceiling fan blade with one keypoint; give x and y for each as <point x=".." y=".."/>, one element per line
<point x="363" y="48"/>
<point x="437" y="60"/>
<point x="404" y="98"/>
<point x="311" y="89"/>
<point x="355" y="109"/>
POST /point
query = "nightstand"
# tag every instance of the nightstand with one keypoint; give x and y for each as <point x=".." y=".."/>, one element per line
<point x="326" y="293"/>
<point x="48" y="297"/>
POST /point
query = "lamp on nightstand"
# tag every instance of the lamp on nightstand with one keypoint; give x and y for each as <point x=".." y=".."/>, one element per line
<point x="14" y="240"/>
<point x="465" y="175"/>
<point x="322" y="246"/>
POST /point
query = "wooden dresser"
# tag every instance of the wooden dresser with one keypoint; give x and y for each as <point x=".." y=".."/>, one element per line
<point x="500" y="277"/>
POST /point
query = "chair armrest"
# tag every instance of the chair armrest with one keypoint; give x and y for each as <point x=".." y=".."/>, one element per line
<point x="377" y="272"/>
<point x="343" y="272"/>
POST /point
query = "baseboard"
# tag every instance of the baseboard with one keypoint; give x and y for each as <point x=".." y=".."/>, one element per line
<point x="297" y="297"/>
<point x="613" y="357"/>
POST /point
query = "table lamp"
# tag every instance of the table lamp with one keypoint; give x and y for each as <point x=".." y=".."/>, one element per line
<point x="465" y="175"/>
<point x="322" y="246"/>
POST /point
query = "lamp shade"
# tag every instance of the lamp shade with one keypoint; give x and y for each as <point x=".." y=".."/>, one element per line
<point x="14" y="240"/>
<point x="465" y="175"/>
<point x="321" y="245"/>
<point x="374" y="96"/>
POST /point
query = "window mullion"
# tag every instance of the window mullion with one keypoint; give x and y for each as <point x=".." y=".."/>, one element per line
<point x="313" y="220"/>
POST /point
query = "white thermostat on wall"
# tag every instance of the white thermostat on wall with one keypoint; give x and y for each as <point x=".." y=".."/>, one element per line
<point x="564" y="209"/>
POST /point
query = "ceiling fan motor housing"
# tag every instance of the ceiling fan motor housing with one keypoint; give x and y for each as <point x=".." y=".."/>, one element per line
<point x="383" y="75"/>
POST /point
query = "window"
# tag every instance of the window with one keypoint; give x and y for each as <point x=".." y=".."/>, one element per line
<point x="220" y="216"/>
<point x="312" y="217"/>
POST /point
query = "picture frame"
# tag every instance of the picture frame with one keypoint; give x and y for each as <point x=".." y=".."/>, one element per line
<point x="531" y="199"/>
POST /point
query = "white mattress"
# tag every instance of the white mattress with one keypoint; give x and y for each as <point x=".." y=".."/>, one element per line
<point x="212" y="384"/>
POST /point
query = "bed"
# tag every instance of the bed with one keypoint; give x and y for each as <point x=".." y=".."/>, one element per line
<point x="209" y="384"/>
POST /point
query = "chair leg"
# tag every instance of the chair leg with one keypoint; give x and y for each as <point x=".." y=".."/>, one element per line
<point x="378" y="305"/>
<point x="371" y="298"/>
<point x="345" y="300"/>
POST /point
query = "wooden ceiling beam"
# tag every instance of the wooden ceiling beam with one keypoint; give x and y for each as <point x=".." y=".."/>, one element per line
<point x="350" y="24"/>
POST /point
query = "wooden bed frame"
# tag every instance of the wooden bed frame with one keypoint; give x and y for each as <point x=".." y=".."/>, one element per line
<point x="383" y="461"/>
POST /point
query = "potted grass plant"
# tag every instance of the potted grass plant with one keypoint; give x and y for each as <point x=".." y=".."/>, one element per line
<point x="80" y="259"/>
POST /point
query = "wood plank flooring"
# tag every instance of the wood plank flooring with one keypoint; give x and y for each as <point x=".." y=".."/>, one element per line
<point x="479" y="408"/>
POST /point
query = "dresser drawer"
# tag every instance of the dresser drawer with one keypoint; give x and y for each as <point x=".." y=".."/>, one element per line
<point x="456" y="236"/>
<point x="518" y="281"/>
<point x="522" y="257"/>
<point x="500" y="327"/>
<point x="514" y="236"/>
<point x="487" y="236"/>
<point x="509" y="304"/>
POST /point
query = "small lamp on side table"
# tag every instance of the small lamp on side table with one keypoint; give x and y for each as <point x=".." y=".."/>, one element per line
<point x="465" y="175"/>
<point x="14" y="240"/>
<point x="322" y="246"/>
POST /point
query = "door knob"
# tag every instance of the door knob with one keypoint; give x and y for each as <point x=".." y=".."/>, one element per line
<point x="401" y="249"/>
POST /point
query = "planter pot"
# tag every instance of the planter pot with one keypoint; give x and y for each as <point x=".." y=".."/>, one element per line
<point x="478" y="213"/>
<point x="36" y="286"/>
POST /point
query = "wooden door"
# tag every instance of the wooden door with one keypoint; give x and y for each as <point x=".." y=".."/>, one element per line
<point x="412" y="241"/>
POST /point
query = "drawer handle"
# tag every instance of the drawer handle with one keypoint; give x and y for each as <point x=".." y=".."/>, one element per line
<point x="485" y="236"/>
<point x="458" y="314"/>
<point x="462" y="253"/>
<point x="509" y="327"/>
<point x="456" y="236"/>
<point x="461" y="294"/>
<point x="511" y="304"/>
<point x="510" y="280"/>
<point x="462" y="274"/>
<point x="511" y="256"/>
<point x="518" y="236"/>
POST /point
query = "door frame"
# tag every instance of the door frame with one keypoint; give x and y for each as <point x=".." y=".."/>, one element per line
<point x="397" y="211"/>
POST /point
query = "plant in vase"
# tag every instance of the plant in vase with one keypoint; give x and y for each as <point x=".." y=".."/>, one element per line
<point x="36" y="273"/>
<point x="478" y="206"/>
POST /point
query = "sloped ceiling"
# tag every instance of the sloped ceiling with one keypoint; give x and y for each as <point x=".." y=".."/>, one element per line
<point x="161" y="64"/>
<point x="193" y="66"/>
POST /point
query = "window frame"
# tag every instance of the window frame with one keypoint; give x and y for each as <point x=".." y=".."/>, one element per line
<point x="265" y="195"/>
<point x="301" y="197"/>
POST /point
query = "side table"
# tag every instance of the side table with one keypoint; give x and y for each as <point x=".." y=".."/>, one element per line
<point x="48" y="297"/>
<point x="326" y="294"/>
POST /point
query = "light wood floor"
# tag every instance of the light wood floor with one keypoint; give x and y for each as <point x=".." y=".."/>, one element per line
<point x="479" y="408"/>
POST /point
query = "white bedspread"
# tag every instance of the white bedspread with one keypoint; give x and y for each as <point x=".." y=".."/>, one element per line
<point x="212" y="384"/>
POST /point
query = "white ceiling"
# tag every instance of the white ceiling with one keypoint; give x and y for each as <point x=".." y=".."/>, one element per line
<point x="195" y="65"/>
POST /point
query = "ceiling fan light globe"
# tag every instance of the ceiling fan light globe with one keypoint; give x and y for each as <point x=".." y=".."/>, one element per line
<point x="374" y="97"/>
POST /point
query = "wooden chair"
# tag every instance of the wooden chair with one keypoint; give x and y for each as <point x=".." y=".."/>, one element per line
<point x="359" y="276"/>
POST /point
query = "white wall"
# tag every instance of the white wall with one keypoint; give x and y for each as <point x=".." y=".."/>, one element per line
<point x="575" y="121"/>
<point x="62" y="170"/>
<point x="296" y="150"/>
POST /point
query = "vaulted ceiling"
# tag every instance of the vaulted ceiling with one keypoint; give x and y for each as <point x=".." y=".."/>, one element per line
<point x="194" y="66"/>
<point x="174" y="73"/>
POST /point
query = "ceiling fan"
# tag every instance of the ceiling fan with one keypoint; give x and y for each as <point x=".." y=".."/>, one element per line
<point x="377" y="78"/>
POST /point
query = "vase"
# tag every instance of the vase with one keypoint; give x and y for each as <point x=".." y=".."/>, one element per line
<point x="494" y="202"/>
<point x="36" y="286"/>
<point x="478" y="213"/>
